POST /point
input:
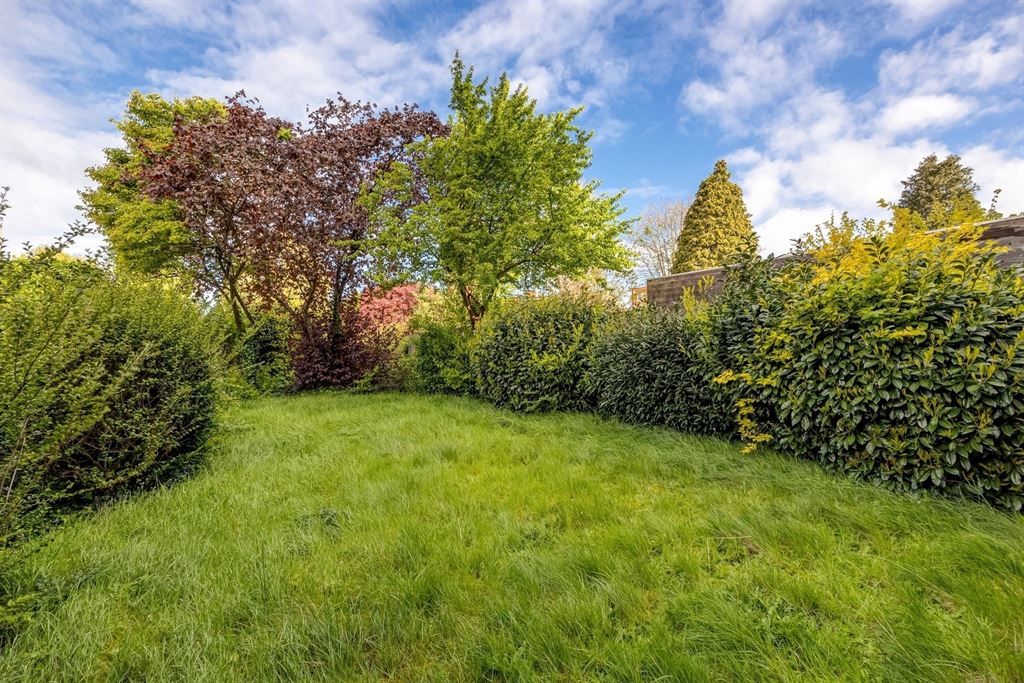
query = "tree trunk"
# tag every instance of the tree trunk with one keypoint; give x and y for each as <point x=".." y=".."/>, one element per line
<point x="474" y="310"/>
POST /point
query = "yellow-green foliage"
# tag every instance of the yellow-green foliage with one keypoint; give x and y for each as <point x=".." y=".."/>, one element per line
<point x="144" y="235"/>
<point x="897" y="357"/>
<point x="106" y="386"/>
<point x="508" y="204"/>
<point x="717" y="226"/>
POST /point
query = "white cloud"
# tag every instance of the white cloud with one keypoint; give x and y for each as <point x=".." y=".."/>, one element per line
<point x="292" y="56"/>
<point x="759" y="52"/>
<point x="645" y="190"/>
<point x="914" y="14"/>
<point x="996" y="169"/>
<point x="958" y="61"/>
<point x="45" y="146"/>
<point x="744" y="14"/>
<point x="924" y="111"/>
<point x="33" y="32"/>
<point x="776" y="234"/>
<point x="811" y="151"/>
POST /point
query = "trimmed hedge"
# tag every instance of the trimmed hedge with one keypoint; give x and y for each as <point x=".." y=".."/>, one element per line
<point x="440" y="361"/>
<point x="106" y="387"/>
<point x="657" y="368"/>
<point x="901" y="362"/>
<point x="533" y="353"/>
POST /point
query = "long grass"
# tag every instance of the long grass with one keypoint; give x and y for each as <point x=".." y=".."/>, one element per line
<point x="351" y="537"/>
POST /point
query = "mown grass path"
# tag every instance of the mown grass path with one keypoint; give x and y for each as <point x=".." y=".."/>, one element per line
<point x="350" y="537"/>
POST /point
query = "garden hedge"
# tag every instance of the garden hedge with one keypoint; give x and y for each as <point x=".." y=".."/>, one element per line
<point x="901" y="362"/>
<point x="658" y="367"/>
<point x="533" y="353"/>
<point x="106" y="386"/>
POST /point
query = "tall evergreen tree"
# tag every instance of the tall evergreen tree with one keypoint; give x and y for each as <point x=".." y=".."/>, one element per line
<point x="717" y="226"/>
<point x="943" y="193"/>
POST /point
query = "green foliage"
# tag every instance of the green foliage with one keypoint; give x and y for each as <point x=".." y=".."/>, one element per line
<point x="256" y="361"/>
<point x="898" y="358"/>
<point x="145" y="236"/>
<point x="106" y="386"/>
<point x="440" y="343"/>
<point x="943" y="193"/>
<point x="657" y="367"/>
<point x="441" y="359"/>
<point x="717" y="227"/>
<point x="505" y="200"/>
<point x="752" y="297"/>
<point x="533" y="353"/>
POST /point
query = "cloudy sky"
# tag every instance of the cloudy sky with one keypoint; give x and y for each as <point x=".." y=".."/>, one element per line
<point x="816" y="106"/>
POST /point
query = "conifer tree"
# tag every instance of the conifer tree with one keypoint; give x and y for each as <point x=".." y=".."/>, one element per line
<point x="944" y="193"/>
<point x="717" y="226"/>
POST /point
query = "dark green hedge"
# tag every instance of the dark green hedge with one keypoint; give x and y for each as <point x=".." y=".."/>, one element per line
<point x="658" y="367"/>
<point x="533" y="353"/>
<point x="106" y="386"/>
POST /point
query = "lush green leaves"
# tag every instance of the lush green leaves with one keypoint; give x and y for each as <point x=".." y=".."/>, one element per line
<point x="505" y="200"/>
<point x="145" y="235"/>
<point x="439" y="345"/>
<point x="901" y="361"/>
<point x="105" y="387"/>
<point x="658" y="367"/>
<point x="533" y="353"/>
<point x="943" y="193"/>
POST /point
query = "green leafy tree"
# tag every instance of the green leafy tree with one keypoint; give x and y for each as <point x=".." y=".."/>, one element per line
<point x="145" y="235"/>
<point x="943" y="193"/>
<point x="717" y="226"/>
<point x="500" y="202"/>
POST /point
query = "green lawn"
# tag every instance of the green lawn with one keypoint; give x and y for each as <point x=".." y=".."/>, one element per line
<point x="340" y="537"/>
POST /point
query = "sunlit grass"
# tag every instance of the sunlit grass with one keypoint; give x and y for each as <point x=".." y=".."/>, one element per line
<point x="341" y="537"/>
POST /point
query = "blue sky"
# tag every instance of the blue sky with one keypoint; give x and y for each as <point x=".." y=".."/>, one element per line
<point x="818" y="107"/>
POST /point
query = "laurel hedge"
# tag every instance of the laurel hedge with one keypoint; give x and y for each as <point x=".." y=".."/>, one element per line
<point x="898" y="359"/>
<point x="532" y="354"/>
<point x="657" y="367"/>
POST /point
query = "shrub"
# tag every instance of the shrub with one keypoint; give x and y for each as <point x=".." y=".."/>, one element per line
<point x="255" y="362"/>
<point x="263" y="355"/>
<point x="357" y="347"/>
<point x="438" y="349"/>
<point x="899" y="358"/>
<point x="752" y="297"/>
<point x="533" y="353"/>
<point x="657" y="367"/>
<point x="440" y="360"/>
<point x="106" y="386"/>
